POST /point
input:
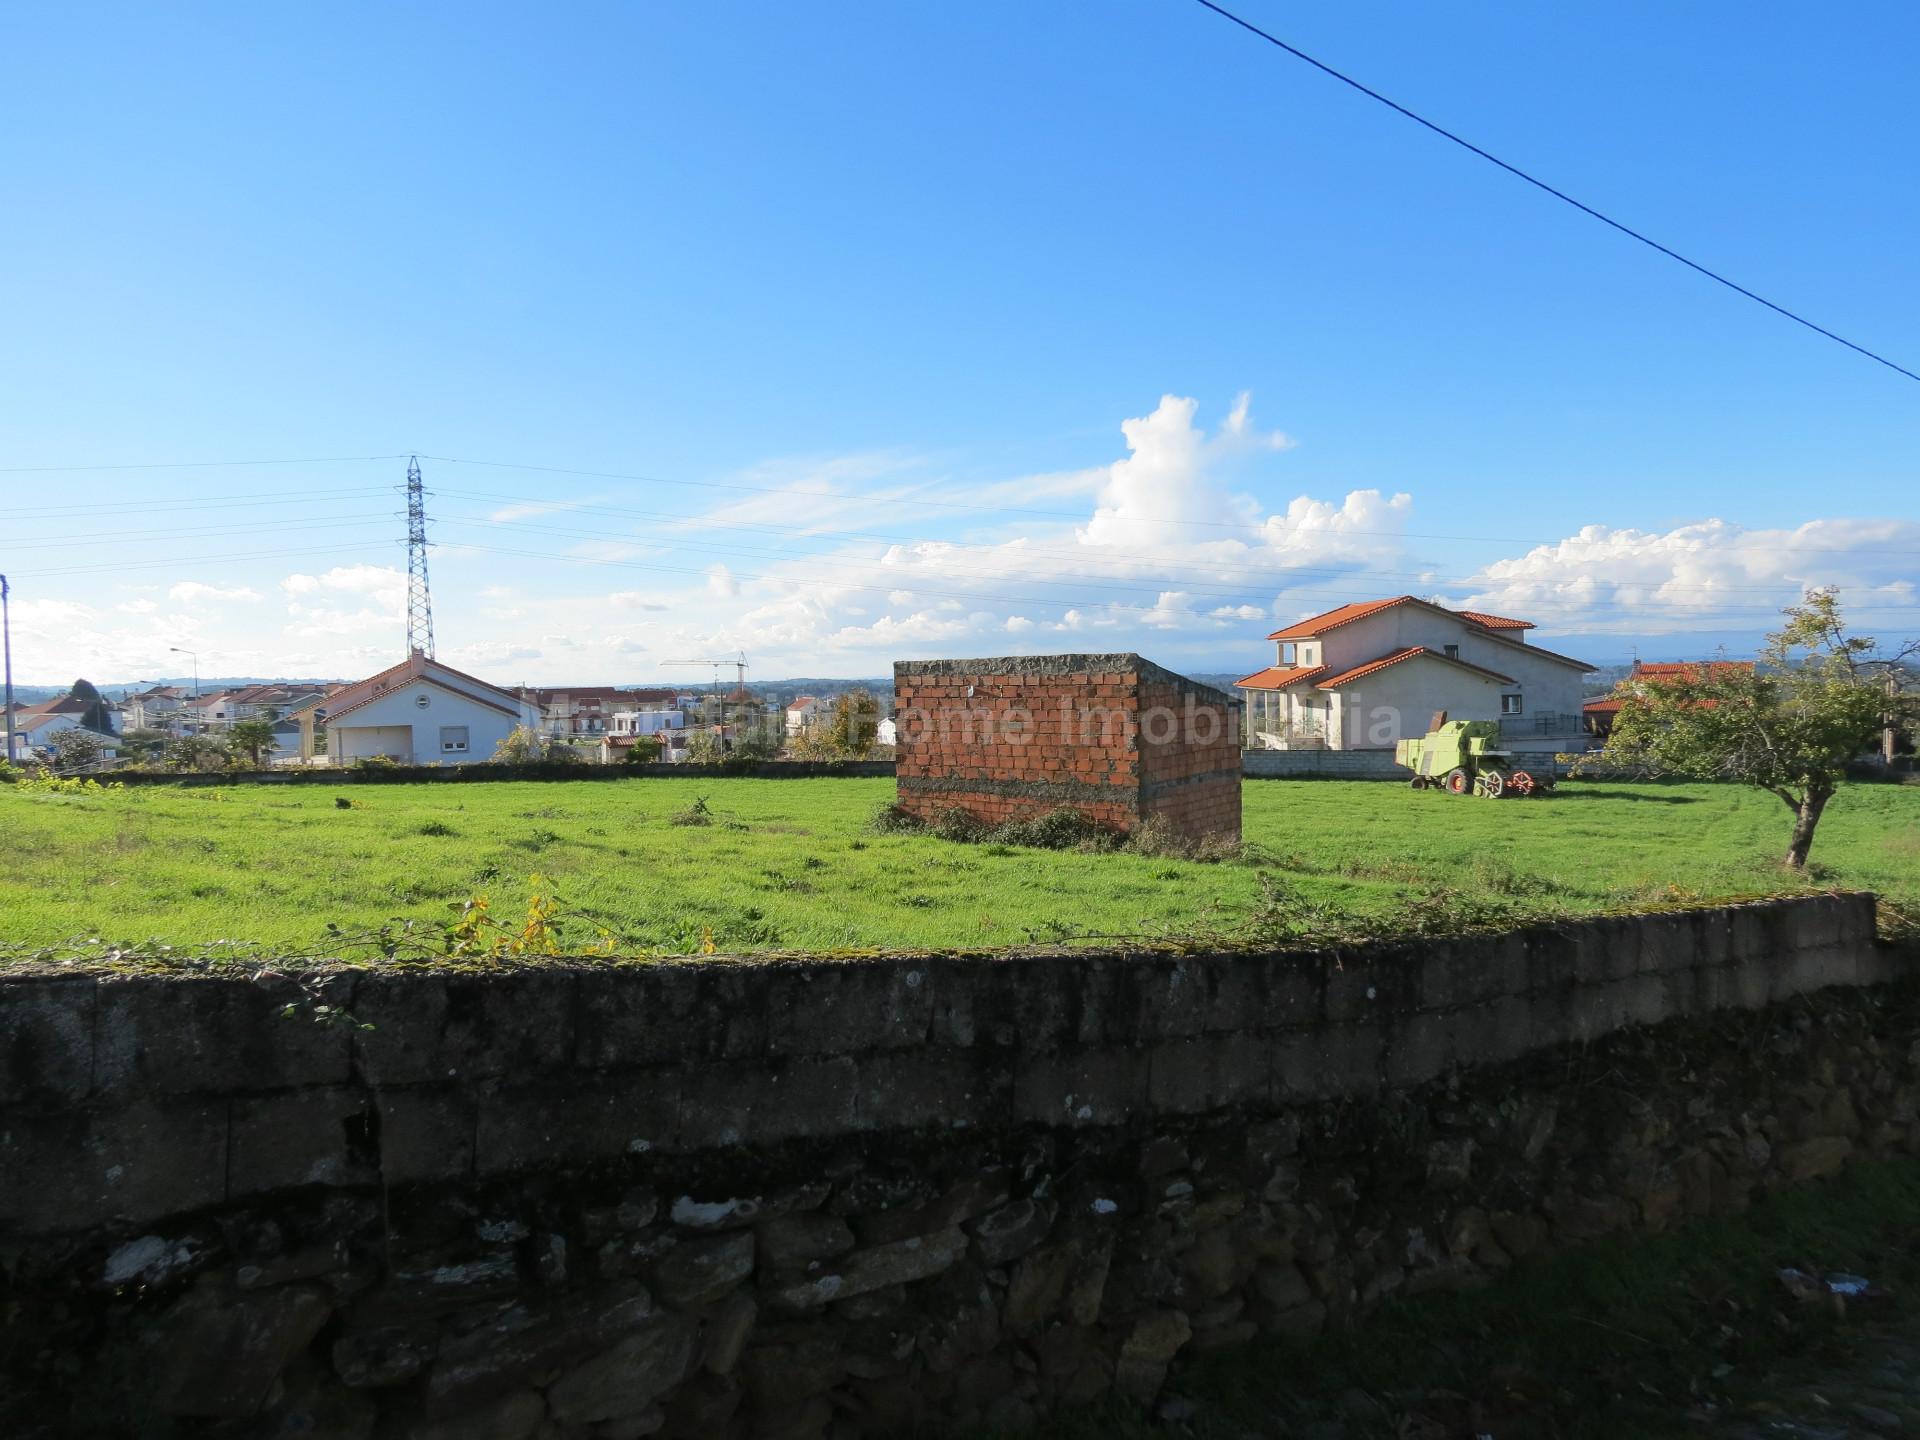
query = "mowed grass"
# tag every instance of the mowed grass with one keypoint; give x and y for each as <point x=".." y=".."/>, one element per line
<point x="793" y="864"/>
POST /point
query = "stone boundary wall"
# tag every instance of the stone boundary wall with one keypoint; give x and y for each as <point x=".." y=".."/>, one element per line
<point x="773" y="1198"/>
<point x="484" y="772"/>
<point x="1361" y="764"/>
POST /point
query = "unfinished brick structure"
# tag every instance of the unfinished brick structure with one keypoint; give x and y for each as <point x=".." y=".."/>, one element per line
<point x="1114" y="736"/>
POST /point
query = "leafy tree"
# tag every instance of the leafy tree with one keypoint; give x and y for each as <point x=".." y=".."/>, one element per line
<point x="813" y="743"/>
<point x="854" y="724"/>
<point x="644" y="750"/>
<point x="705" y="748"/>
<point x="1818" y="698"/>
<point x="198" y="752"/>
<point x="96" y="715"/>
<point x="143" y="747"/>
<point x="527" y="746"/>
<point x="756" y="740"/>
<point x="75" y="748"/>
<point x="249" y="739"/>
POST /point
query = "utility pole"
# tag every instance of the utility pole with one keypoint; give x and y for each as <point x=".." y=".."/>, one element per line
<point x="196" y="726"/>
<point x="6" y="643"/>
<point x="1889" y="733"/>
<point x="419" y="600"/>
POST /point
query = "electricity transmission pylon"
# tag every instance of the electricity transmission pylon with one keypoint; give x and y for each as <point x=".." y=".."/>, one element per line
<point x="419" y="598"/>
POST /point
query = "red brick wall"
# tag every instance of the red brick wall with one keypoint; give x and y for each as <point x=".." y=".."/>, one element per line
<point x="1113" y="736"/>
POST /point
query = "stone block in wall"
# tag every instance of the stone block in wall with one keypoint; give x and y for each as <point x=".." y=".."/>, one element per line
<point x="170" y="1035"/>
<point x="860" y="1272"/>
<point x="1165" y="996"/>
<point x="323" y="1136"/>
<point x="1294" y="988"/>
<point x="625" y="1380"/>
<point x="1080" y="1088"/>
<point x="1371" y="983"/>
<point x="46" y="1039"/>
<point x="1191" y="1077"/>
<point x="135" y="1160"/>
<point x="1470" y="970"/>
<point x="747" y="1104"/>
<point x="596" y="1117"/>
<point x="666" y="1013"/>
<point x="1606" y="948"/>
<point x="426" y="1133"/>
<point x="1422" y="1047"/>
<point x="1050" y="1002"/>
<point x="1670" y="942"/>
<point x="529" y="1342"/>
<point x="462" y="1027"/>
<point x="1754" y="929"/>
<point x="841" y="1008"/>
<point x="1329" y="1060"/>
<point x="1507" y="1028"/>
<point x="1799" y="970"/>
<point x="214" y="1355"/>
<point x="934" y="1089"/>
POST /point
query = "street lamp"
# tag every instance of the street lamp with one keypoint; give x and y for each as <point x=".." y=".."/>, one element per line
<point x="178" y="650"/>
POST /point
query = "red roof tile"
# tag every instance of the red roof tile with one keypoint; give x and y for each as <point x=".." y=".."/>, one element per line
<point x="1279" y="677"/>
<point x="1496" y="622"/>
<point x="1315" y="625"/>
<point x="1688" y="669"/>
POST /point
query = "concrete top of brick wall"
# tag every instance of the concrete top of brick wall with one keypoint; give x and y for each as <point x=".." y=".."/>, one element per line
<point x="1125" y="662"/>
<point x="129" y="1098"/>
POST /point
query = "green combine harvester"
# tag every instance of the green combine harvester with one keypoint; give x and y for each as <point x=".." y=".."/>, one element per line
<point x="1465" y="755"/>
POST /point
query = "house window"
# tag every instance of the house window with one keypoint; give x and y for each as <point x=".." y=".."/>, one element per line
<point x="1452" y="652"/>
<point x="1287" y="649"/>
<point x="453" y="739"/>
<point x="1509" y="704"/>
<point x="1306" y="654"/>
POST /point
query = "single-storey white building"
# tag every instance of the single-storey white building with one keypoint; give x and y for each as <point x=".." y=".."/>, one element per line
<point x="1364" y="675"/>
<point x="420" y="712"/>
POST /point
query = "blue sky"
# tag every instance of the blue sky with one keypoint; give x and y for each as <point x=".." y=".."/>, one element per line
<point x="860" y="258"/>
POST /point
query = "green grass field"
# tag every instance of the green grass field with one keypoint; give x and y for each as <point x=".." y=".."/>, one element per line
<point x="792" y="864"/>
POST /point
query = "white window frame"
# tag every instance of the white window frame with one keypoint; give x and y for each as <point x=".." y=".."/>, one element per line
<point x="1512" y="705"/>
<point x="461" y="747"/>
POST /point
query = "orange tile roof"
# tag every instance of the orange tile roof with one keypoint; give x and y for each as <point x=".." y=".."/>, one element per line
<point x="1686" y="669"/>
<point x="1496" y="622"/>
<point x="1279" y="677"/>
<point x="414" y="667"/>
<point x="1334" y="682"/>
<point x="1314" y="625"/>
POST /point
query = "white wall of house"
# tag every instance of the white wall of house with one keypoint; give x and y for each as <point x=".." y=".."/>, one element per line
<point x="1380" y="708"/>
<point x="450" y="728"/>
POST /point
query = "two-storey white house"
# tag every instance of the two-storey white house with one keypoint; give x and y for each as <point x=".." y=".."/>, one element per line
<point x="1362" y="676"/>
<point x="420" y="712"/>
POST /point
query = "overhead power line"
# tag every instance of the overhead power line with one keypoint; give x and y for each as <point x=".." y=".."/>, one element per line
<point x="1558" y="194"/>
<point x="192" y="464"/>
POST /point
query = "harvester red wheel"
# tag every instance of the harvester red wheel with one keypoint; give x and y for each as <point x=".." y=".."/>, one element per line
<point x="1491" y="783"/>
<point x="1521" y="781"/>
<point x="1456" y="782"/>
